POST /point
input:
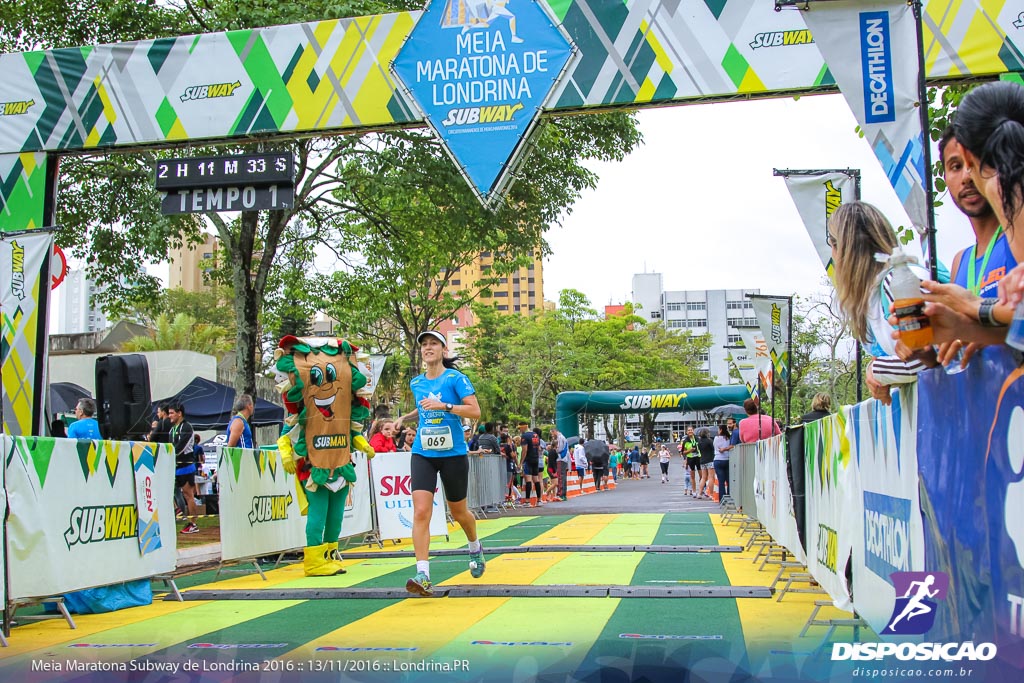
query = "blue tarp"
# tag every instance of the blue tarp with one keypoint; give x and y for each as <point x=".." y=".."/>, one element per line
<point x="208" y="406"/>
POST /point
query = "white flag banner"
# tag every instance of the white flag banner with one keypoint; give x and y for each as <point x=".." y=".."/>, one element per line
<point x="816" y="197"/>
<point x="755" y="343"/>
<point x="772" y="313"/>
<point x="22" y="259"/>
<point x="870" y="47"/>
<point x="743" y="361"/>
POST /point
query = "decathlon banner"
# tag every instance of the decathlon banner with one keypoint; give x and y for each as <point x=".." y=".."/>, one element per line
<point x="816" y="196"/>
<point x="887" y="533"/>
<point x="772" y="495"/>
<point x="772" y="313"/>
<point x="870" y="47"/>
<point x="754" y="340"/>
<point x="259" y="505"/>
<point x="393" y="493"/>
<point x="358" y="506"/>
<point x="24" y="270"/>
<point x="74" y="515"/>
<point x="974" y="524"/>
<point x="832" y="495"/>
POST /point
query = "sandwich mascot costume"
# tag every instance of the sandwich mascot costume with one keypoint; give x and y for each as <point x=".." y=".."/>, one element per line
<point x="321" y="385"/>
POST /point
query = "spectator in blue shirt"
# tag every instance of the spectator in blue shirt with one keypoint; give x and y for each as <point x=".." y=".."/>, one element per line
<point x="85" y="426"/>
<point x="734" y="432"/>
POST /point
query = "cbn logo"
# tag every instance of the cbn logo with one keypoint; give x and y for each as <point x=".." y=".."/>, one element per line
<point x="98" y="523"/>
<point x="204" y="92"/>
<point x="499" y="113"/>
<point x="782" y="38"/>
<point x="15" y="108"/>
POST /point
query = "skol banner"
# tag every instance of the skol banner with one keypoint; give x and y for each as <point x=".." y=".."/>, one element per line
<point x="887" y="533"/>
<point x="74" y="514"/>
<point x="754" y="341"/>
<point x="772" y="495"/>
<point x="259" y="505"/>
<point x="23" y="260"/>
<point x="974" y="521"/>
<point x="831" y="488"/>
<point x="871" y="49"/>
<point x="816" y="197"/>
<point x="393" y="493"/>
<point x="358" y="517"/>
<point x="772" y="313"/>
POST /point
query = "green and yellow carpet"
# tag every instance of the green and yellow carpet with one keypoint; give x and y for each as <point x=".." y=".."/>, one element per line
<point x="590" y="597"/>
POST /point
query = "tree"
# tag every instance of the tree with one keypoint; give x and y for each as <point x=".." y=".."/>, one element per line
<point x="110" y="215"/>
<point x="182" y="333"/>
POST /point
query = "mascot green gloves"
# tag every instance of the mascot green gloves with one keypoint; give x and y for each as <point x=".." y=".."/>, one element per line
<point x="320" y="385"/>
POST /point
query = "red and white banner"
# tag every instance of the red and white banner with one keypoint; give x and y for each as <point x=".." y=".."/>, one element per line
<point x="392" y="489"/>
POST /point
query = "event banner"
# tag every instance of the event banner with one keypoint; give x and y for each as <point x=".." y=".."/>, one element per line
<point x="24" y="269"/>
<point x="754" y="342"/>
<point x="887" y="534"/>
<point x="393" y="493"/>
<point x="772" y="495"/>
<point x="974" y="520"/>
<point x="5" y="446"/>
<point x="871" y="49"/>
<point x="816" y="196"/>
<point x="147" y="503"/>
<point x="772" y="313"/>
<point x="743" y="360"/>
<point x="72" y="504"/>
<point x="259" y="506"/>
<point x="831" y="487"/>
<point x="359" y="504"/>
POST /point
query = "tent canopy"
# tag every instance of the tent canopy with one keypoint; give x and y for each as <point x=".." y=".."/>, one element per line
<point x="64" y="396"/>
<point x="208" y="406"/>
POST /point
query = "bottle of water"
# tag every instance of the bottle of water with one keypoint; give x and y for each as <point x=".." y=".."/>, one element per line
<point x="915" y="328"/>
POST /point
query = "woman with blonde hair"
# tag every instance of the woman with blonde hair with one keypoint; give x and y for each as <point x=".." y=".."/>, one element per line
<point x="857" y="231"/>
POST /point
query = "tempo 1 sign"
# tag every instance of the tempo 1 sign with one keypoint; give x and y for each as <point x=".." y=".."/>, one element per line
<point x="213" y="199"/>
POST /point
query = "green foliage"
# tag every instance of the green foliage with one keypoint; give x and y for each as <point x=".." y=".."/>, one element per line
<point x="519" y="366"/>
<point x="182" y="333"/>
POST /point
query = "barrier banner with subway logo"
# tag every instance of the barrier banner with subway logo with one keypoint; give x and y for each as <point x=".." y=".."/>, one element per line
<point x="772" y="495"/>
<point x="22" y="260"/>
<point x="831" y="489"/>
<point x="393" y="492"/>
<point x="73" y="505"/>
<point x="870" y="47"/>
<point x="259" y="505"/>
<point x="971" y="462"/>
<point x="888" y="536"/>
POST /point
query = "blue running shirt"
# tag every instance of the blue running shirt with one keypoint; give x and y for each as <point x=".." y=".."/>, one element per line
<point x="440" y="426"/>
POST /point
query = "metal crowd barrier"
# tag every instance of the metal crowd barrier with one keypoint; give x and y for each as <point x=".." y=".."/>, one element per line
<point x="486" y="482"/>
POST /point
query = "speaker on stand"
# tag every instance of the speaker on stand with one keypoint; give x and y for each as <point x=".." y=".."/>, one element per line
<point x="123" y="400"/>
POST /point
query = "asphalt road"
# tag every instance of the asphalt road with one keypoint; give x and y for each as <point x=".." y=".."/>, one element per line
<point x="631" y="495"/>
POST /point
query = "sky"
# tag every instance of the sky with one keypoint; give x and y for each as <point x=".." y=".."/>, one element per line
<point x="697" y="202"/>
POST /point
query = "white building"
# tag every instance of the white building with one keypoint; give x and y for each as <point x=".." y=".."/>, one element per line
<point x="73" y="309"/>
<point x="718" y="311"/>
<point x="714" y="311"/>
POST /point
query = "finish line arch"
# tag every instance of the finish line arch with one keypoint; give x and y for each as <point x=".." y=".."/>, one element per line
<point x="332" y="76"/>
<point x="569" y="405"/>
